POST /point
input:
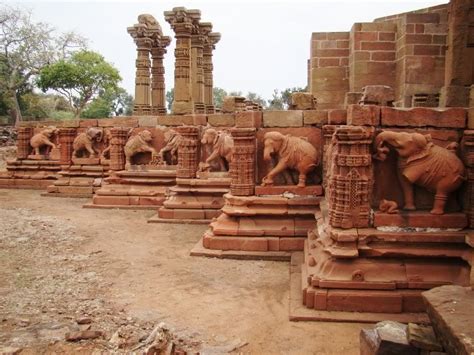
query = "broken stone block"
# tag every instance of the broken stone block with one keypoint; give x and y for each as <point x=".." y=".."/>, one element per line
<point x="84" y="335"/>
<point x="381" y="95"/>
<point x="386" y="338"/>
<point x="423" y="337"/>
<point x="233" y="104"/>
<point x="302" y="101"/>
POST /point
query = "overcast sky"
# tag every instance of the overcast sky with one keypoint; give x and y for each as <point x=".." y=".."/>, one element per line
<point x="264" y="44"/>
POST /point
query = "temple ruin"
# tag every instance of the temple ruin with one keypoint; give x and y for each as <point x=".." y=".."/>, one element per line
<point x="366" y="184"/>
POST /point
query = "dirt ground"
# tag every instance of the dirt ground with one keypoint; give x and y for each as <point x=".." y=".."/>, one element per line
<point x="61" y="264"/>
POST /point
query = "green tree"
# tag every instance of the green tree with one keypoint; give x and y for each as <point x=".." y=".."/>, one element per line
<point x="170" y="98"/>
<point x="110" y="103"/>
<point x="218" y="96"/>
<point x="276" y="102"/>
<point x="254" y="97"/>
<point x="80" y="78"/>
<point x="26" y="47"/>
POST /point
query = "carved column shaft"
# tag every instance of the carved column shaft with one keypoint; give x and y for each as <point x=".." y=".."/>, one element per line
<point x="242" y="166"/>
<point x="142" y="105"/>
<point x="117" y="143"/>
<point x="66" y="138"/>
<point x="188" y="152"/>
<point x="23" y="142"/>
<point x="468" y="155"/>
<point x="158" y="92"/>
<point x="197" y="73"/>
<point x="350" y="177"/>
<point x="208" y="80"/>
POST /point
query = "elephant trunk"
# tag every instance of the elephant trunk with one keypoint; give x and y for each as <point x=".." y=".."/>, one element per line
<point x="381" y="151"/>
<point x="267" y="154"/>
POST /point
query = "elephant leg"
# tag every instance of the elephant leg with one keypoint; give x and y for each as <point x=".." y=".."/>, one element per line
<point x="302" y="180"/>
<point x="439" y="203"/>
<point x="37" y="151"/>
<point x="90" y="150"/>
<point x="268" y="179"/>
<point x="408" y="194"/>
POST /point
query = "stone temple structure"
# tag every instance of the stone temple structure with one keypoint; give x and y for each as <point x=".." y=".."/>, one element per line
<point x="366" y="185"/>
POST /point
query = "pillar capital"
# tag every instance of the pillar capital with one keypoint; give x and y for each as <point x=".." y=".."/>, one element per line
<point x="182" y="20"/>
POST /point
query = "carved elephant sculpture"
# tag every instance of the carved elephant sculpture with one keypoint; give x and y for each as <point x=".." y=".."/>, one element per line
<point x="422" y="163"/>
<point x="42" y="139"/>
<point x="172" y="141"/>
<point x="140" y="143"/>
<point x="292" y="153"/>
<point x="84" y="142"/>
<point x="107" y="139"/>
<point x="222" y="144"/>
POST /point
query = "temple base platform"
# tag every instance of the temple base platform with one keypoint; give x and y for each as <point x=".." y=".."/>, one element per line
<point x="30" y="173"/>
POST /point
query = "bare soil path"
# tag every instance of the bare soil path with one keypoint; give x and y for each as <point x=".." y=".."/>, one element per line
<point x="60" y="263"/>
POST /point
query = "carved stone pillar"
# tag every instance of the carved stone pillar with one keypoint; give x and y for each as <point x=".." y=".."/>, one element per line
<point x="468" y="157"/>
<point x="23" y="142"/>
<point x="328" y="131"/>
<point x="209" y="45"/>
<point x="182" y="22"/>
<point x="242" y="166"/>
<point x="188" y="152"/>
<point x="458" y="69"/>
<point x="117" y="143"/>
<point x="158" y="88"/>
<point x="66" y="138"/>
<point x="350" y="177"/>
<point x="197" y="70"/>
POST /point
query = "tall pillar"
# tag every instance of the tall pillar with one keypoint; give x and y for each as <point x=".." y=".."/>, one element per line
<point x="458" y="68"/>
<point x="158" y="88"/>
<point x="182" y="22"/>
<point x="468" y="157"/>
<point x="23" y="142"/>
<point x="117" y="144"/>
<point x="197" y="70"/>
<point x="188" y="152"/>
<point x="209" y="45"/>
<point x="66" y="138"/>
<point x="350" y="177"/>
<point x="242" y="166"/>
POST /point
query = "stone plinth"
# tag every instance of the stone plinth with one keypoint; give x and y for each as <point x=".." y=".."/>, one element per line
<point x="81" y="179"/>
<point x="378" y="271"/>
<point x="195" y="200"/>
<point x="141" y="187"/>
<point x="261" y="227"/>
<point x="29" y="173"/>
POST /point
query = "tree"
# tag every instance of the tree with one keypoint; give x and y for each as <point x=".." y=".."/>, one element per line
<point x="80" y="79"/>
<point x="170" y="98"/>
<point x="276" y="102"/>
<point x="26" y="47"/>
<point x="110" y="103"/>
<point x="218" y="96"/>
<point x="254" y="97"/>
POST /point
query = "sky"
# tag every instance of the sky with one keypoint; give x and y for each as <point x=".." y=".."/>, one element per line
<point x="265" y="44"/>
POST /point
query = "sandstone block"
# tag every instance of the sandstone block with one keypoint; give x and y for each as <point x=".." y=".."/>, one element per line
<point x="315" y="117"/>
<point x="283" y="118"/>
<point x="248" y="119"/>
<point x="421" y="116"/>
<point x="199" y="120"/>
<point x="221" y="120"/>
<point x="423" y="337"/>
<point x="70" y="123"/>
<point x="118" y="122"/>
<point x="337" y="117"/>
<point x="88" y="123"/>
<point x="175" y="120"/>
<point x="363" y="115"/>
<point x="147" y="121"/>
<point x="302" y="101"/>
<point x="387" y="337"/>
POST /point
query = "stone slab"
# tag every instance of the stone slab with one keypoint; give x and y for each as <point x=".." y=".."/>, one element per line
<point x="298" y="312"/>
<point x="283" y="118"/>
<point x="421" y="117"/>
<point x="156" y="219"/>
<point x="278" y="190"/>
<point x="451" y="310"/>
<point x="420" y="219"/>
<point x="199" y="250"/>
<point x="120" y="207"/>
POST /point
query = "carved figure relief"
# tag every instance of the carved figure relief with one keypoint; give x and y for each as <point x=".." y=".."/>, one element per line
<point x="422" y="163"/>
<point x="222" y="144"/>
<point x="84" y="143"/>
<point x="107" y="140"/>
<point x="291" y="153"/>
<point x="43" y="139"/>
<point x="140" y="143"/>
<point x="388" y="206"/>
<point x="172" y="141"/>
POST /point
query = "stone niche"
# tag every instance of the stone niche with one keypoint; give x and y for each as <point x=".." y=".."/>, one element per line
<point x="312" y="135"/>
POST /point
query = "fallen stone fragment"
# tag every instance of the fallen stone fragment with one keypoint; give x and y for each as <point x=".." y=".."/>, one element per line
<point x="84" y="320"/>
<point x="386" y="338"/>
<point x="9" y="350"/>
<point x="84" y="335"/>
<point x="423" y="337"/>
